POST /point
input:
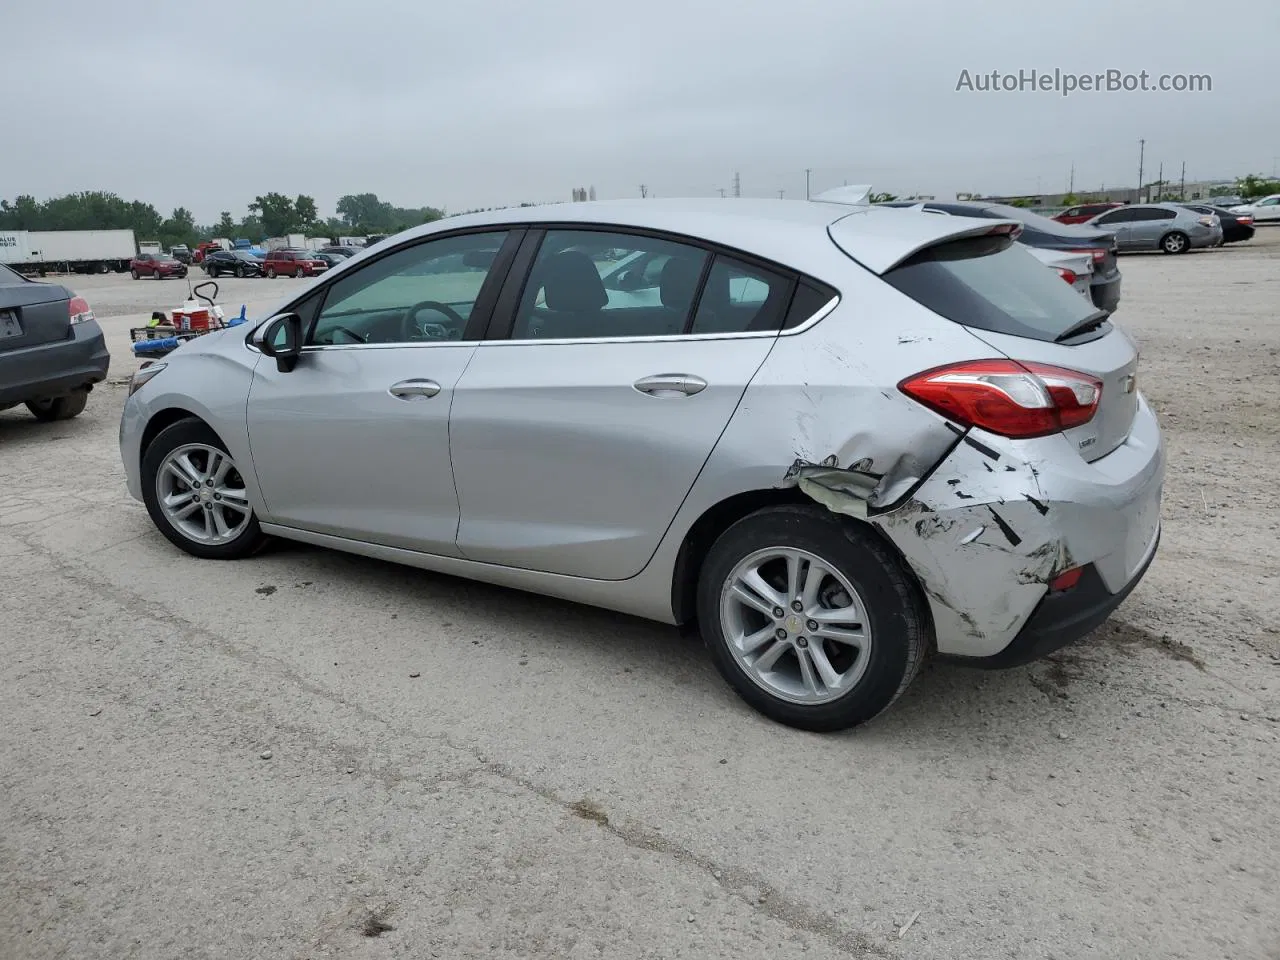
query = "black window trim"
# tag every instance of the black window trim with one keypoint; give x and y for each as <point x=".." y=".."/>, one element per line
<point x="477" y="322"/>
<point x="502" y="321"/>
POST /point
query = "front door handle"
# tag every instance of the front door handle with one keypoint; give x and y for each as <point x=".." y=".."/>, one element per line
<point x="414" y="389"/>
<point x="671" y="385"/>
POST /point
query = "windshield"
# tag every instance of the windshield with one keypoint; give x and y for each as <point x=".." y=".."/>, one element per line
<point x="990" y="284"/>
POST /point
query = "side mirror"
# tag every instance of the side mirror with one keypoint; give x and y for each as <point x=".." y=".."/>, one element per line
<point x="281" y="337"/>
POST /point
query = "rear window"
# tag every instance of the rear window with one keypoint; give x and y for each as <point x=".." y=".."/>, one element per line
<point x="10" y="276"/>
<point x="991" y="284"/>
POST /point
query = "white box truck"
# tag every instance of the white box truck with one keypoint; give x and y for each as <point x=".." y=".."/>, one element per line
<point x="67" y="251"/>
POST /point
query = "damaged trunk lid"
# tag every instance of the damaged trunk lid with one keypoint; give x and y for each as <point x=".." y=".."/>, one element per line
<point x="1023" y="310"/>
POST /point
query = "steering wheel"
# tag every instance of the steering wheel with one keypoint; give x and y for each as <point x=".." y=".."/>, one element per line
<point x="438" y="307"/>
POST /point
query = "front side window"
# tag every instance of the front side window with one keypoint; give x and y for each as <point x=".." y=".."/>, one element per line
<point x="420" y="294"/>
<point x="587" y="284"/>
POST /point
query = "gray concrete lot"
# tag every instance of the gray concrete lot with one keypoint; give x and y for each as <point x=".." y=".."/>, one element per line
<point x="314" y="755"/>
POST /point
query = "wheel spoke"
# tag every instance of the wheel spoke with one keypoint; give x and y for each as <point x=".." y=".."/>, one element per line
<point x="750" y="644"/>
<point x="178" y="498"/>
<point x="219" y="467"/>
<point x="795" y="568"/>
<point x="753" y="581"/>
<point x="208" y="524"/>
<point x="183" y="512"/>
<point x="182" y="468"/>
<point x="219" y="520"/>
<point x="807" y="672"/>
<point x="233" y="497"/>
<point x="847" y="614"/>
<point x="766" y="660"/>
<point x="848" y="637"/>
<point x="830" y="678"/>
<point x="812" y="581"/>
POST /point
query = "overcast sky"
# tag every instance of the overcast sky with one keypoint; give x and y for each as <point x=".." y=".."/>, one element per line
<point x="487" y="102"/>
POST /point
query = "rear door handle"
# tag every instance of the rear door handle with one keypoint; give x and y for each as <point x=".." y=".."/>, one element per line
<point x="671" y="384"/>
<point x="414" y="389"/>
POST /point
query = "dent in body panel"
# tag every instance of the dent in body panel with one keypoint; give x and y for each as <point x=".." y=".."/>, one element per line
<point x="977" y="534"/>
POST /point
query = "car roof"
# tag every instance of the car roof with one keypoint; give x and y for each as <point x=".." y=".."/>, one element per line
<point x="774" y="229"/>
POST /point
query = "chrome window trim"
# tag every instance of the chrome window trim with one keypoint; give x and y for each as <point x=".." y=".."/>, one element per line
<point x="824" y="311"/>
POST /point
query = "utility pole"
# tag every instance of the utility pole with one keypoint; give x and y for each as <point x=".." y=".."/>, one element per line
<point x="807" y="171"/>
<point x="1071" y="182"/>
<point x="721" y="189"/>
<point x="1160" y="181"/>
<point x="780" y="193"/>
<point x="737" y="184"/>
<point x="1142" y="147"/>
<point x="644" y="191"/>
<point x="1182" y="182"/>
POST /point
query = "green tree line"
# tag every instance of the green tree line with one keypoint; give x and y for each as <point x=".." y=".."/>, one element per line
<point x="270" y="215"/>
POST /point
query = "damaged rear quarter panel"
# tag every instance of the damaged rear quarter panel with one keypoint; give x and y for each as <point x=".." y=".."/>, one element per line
<point x="979" y="538"/>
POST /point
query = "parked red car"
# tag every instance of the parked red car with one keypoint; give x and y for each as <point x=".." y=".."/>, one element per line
<point x="158" y="265"/>
<point x="292" y="262"/>
<point x="1085" y="211"/>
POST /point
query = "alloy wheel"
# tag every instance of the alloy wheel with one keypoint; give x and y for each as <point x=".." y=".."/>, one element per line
<point x="202" y="494"/>
<point x="795" y="625"/>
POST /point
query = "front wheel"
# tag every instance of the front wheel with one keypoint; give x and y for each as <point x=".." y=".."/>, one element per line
<point x="134" y="274"/>
<point x="271" y="273"/>
<point x="811" y="619"/>
<point x="1175" y="243"/>
<point x="196" y="494"/>
<point x="239" y="273"/>
<point x="299" y="273"/>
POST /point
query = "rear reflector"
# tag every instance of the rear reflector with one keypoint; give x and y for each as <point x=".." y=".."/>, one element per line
<point x="80" y="311"/>
<point x="1008" y="398"/>
<point x="1067" y="579"/>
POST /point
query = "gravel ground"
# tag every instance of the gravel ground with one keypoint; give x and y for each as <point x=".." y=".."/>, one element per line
<point x="313" y="755"/>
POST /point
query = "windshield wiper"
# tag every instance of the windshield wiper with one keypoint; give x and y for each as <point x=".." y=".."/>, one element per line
<point x="1091" y="322"/>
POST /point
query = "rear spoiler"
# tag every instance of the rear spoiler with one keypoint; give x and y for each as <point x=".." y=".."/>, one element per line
<point x="881" y="238"/>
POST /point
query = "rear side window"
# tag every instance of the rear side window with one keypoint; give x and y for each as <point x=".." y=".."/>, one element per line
<point x="990" y="284"/>
<point x="740" y="298"/>
<point x="810" y="297"/>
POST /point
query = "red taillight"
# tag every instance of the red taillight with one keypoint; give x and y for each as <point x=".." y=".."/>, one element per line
<point x="1097" y="253"/>
<point x="1005" y="397"/>
<point x="80" y="311"/>
<point x="1012" y="230"/>
<point x="1247" y="221"/>
<point x="1067" y="275"/>
<point x="1067" y="579"/>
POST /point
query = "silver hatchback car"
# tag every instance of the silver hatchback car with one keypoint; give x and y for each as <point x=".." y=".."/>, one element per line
<point x="1169" y="227"/>
<point x="837" y="437"/>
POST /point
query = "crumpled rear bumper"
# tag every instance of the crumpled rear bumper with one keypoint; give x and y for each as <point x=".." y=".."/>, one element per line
<point x="999" y="519"/>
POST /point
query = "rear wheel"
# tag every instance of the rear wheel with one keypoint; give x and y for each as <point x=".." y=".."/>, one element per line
<point x="1175" y="243"/>
<point x="59" y="408"/>
<point x="196" y="494"/>
<point x="810" y="618"/>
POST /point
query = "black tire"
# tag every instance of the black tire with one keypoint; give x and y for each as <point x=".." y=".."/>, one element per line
<point x="59" y="408"/>
<point x="135" y="274"/>
<point x="1175" y="242"/>
<point x="171" y="437"/>
<point x="239" y="273"/>
<point x="158" y="275"/>
<point x="894" y="608"/>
